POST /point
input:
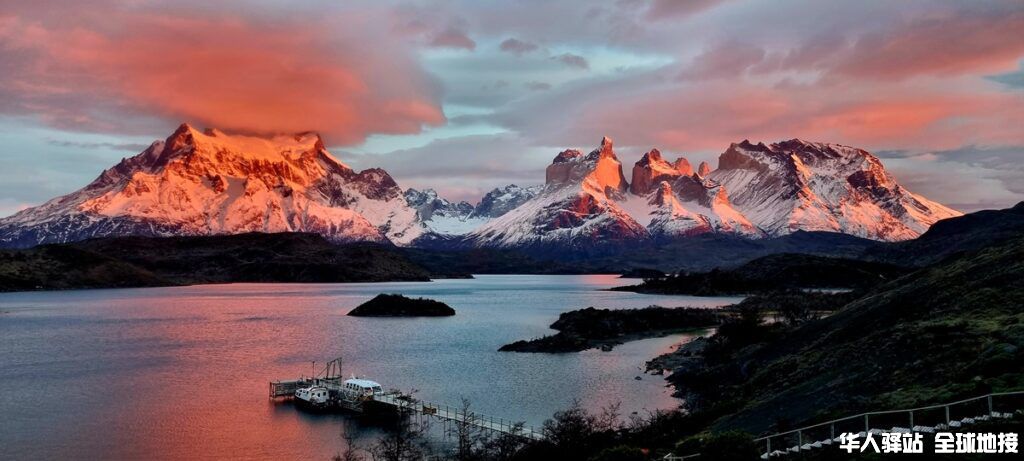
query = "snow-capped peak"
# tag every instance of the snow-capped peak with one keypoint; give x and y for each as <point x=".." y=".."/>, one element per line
<point x="803" y="185"/>
<point x="704" y="169"/>
<point x="600" y="170"/>
<point x="587" y="201"/>
<point x="652" y="169"/>
<point x="208" y="182"/>
<point x="758" y="190"/>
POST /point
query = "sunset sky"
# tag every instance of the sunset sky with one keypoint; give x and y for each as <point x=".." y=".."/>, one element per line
<point x="464" y="96"/>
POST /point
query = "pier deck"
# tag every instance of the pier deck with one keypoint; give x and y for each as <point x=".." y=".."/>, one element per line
<point x="454" y="414"/>
<point x="331" y="378"/>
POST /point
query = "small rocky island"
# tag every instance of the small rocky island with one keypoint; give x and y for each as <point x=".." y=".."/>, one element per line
<point x="604" y="328"/>
<point x="395" y="305"/>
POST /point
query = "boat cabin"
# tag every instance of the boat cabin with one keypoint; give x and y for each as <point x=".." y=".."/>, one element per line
<point x="315" y="395"/>
<point x="363" y="387"/>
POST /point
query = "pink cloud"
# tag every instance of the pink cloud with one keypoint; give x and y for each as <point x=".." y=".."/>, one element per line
<point x="517" y="47"/>
<point x="730" y="59"/>
<point x="956" y="43"/>
<point x="572" y="60"/>
<point x="453" y="38"/>
<point x="224" y="71"/>
<point x="707" y="115"/>
<point x="668" y="9"/>
<point x="939" y="44"/>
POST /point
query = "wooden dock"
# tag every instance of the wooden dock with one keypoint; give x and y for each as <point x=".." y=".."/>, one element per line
<point x="331" y="379"/>
<point x="455" y="414"/>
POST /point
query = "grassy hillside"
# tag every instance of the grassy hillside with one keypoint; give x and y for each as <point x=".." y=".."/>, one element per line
<point x="952" y="330"/>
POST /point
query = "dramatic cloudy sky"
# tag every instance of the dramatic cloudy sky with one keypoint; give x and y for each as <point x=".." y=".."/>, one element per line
<point x="467" y="95"/>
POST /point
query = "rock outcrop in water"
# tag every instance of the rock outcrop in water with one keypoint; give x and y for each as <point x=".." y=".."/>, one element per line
<point x="589" y="328"/>
<point x="393" y="305"/>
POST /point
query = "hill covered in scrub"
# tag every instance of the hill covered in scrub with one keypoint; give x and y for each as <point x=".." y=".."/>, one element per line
<point x="774" y="272"/>
<point x="951" y="330"/>
<point x="951" y="236"/>
<point x="63" y="267"/>
<point x="152" y="261"/>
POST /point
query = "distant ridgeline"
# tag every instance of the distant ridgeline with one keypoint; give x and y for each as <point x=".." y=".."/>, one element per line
<point x="775" y="272"/>
<point x="207" y="182"/>
<point x="851" y="262"/>
<point x="145" y="261"/>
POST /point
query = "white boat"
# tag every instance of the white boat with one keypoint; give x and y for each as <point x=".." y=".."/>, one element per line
<point x="313" y="396"/>
<point x="361" y="389"/>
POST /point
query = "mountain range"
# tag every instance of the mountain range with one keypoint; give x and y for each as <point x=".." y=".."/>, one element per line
<point x="211" y="183"/>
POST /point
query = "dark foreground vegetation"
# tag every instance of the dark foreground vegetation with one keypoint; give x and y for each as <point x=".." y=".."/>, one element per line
<point x="394" y="305"/>
<point x="589" y="328"/>
<point x="148" y="261"/>
<point x="950" y="330"/>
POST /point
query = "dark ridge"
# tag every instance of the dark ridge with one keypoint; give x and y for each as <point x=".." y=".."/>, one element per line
<point x="953" y="236"/>
<point x="774" y="272"/>
<point x="154" y="261"/>
<point x="642" y="273"/>
<point x="695" y="253"/>
<point x="61" y="267"/>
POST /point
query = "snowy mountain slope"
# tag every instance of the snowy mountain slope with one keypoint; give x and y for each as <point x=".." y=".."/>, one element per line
<point x="651" y="169"/>
<point x="440" y="215"/>
<point x="587" y="201"/>
<point x="757" y="191"/>
<point x="502" y="200"/>
<point x="446" y="218"/>
<point x="200" y="183"/>
<point x="799" y="185"/>
<point x="683" y="203"/>
<point x="576" y="208"/>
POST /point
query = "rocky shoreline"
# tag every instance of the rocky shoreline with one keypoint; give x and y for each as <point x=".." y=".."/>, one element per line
<point x="590" y="328"/>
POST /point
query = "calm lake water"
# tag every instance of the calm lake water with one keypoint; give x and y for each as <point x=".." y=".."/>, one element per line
<point x="182" y="372"/>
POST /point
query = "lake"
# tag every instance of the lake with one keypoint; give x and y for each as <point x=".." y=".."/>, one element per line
<point x="183" y="372"/>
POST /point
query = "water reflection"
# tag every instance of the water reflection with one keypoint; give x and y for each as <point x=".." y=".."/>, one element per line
<point x="182" y="372"/>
